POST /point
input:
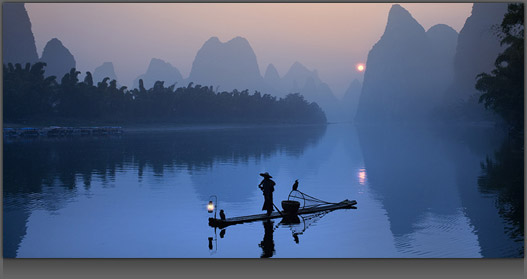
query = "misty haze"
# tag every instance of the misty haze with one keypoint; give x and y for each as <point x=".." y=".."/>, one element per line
<point x="364" y="130"/>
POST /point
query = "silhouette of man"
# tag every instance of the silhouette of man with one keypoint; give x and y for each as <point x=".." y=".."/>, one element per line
<point x="267" y="187"/>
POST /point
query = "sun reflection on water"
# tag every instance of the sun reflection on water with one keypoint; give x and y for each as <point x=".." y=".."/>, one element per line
<point x="362" y="176"/>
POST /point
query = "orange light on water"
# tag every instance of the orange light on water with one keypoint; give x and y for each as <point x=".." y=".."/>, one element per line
<point x="362" y="176"/>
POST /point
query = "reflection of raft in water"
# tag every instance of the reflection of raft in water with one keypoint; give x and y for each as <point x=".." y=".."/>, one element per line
<point x="325" y="206"/>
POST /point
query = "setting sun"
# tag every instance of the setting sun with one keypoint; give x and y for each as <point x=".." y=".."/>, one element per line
<point x="360" y="67"/>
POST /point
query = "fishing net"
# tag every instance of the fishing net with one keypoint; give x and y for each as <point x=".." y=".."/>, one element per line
<point x="300" y="225"/>
<point x="305" y="200"/>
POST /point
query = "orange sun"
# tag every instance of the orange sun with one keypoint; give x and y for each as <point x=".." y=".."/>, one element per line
<point x="360" y="67"/>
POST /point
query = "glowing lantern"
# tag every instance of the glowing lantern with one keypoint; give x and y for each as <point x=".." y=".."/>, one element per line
<point x="210" y="207"/>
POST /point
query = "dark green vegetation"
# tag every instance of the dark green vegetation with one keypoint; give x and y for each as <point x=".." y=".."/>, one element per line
<point x="503" y="176"/>
<point x="503" y="89"/>
<point x="30" y="97"/>
<point x="503" y="92"/>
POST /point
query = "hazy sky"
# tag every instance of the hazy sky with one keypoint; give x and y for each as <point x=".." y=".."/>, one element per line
<point x="331" y="38"/>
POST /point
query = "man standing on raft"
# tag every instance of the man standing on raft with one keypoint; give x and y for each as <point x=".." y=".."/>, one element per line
<point x="267" y="187"/>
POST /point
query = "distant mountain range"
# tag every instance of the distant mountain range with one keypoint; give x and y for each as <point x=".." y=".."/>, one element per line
<point x="224" y="65"/>
<point x="19" y="43"/>
<point x="233" y="65"/>
<point x="410" y="72"/>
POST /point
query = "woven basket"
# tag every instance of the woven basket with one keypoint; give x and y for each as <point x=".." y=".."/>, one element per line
<point x="290" y="207"/>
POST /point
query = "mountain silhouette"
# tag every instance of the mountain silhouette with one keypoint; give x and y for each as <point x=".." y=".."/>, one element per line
<point x="227" y="66"/>
<point x="403" y="68"/>
<point x="18" y="40"/>
<point x="233" y="65"/>
<point x="58" y="58"/>
<point x="350" y="100"/>
<point x="442" y="47"/>
<point x="477" y="48"/>
<point x="103" y="71"/>
<point x="299" y="79"/>
<point x="159" y="70"/>
<point x="297" y="76"/>
<point x="271" y="76"/>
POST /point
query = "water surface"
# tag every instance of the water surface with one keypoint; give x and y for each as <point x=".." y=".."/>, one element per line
<point x="144" y="194"/>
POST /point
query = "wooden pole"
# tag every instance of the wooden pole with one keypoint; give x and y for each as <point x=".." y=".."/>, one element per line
<point x="278" y="210"/>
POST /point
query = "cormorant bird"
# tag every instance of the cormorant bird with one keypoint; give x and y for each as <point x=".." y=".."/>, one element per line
<point x="222" y="214"/>
<point x="295" y="186"/>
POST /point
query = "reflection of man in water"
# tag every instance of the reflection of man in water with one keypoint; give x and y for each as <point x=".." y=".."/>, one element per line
<point x="267" y="187"/>
<point x="267" y="243"/>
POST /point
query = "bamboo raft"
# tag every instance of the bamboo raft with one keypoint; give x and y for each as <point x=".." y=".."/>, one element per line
<point x="218" y="223"/>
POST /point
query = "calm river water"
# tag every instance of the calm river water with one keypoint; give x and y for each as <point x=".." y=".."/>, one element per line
<point x="421" y="192"/>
